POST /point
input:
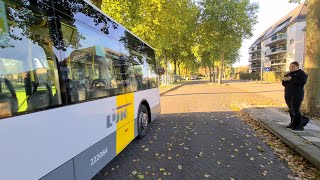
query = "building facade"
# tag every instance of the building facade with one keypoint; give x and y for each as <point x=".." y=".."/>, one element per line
<point x="281" y="44"/>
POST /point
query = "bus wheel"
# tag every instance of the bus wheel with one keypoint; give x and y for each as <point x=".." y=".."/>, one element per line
<point x="143" y="121"/>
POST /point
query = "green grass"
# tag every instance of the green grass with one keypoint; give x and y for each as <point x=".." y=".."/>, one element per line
<point x="178" y="82"/>
<point x="21" y="96"/>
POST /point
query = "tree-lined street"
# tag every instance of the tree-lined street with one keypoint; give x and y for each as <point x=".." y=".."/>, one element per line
<point x="207" y="33"/>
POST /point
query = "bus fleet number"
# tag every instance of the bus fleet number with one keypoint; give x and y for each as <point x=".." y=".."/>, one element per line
<point x="99" y="156"/>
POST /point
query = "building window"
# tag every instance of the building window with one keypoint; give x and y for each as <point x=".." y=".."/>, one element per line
<point x="291" y="42"/>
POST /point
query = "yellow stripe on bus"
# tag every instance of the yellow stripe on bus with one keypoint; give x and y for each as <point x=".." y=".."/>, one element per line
<point x="125" y="126"/>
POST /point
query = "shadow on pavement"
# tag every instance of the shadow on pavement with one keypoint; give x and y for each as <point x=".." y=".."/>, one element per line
<point x="192" y="145"/>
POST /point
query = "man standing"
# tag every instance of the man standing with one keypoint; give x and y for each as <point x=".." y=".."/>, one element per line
<point x="294" y="92"/>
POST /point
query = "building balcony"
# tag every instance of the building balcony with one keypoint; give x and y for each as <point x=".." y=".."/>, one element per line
<point x="255" y="66"/>
<point x="275" y="51"/>
<point x="254" y="58"/>
<point x="276" y="39"/>
<point x="254" y="49"/>
<point x="278" y="62"/>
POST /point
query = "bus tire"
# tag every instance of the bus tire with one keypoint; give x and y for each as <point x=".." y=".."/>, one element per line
<point x="143" y="121"/>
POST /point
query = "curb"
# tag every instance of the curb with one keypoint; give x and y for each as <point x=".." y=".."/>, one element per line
<point x="309" y="151"/>
<point x="172" y="89"/>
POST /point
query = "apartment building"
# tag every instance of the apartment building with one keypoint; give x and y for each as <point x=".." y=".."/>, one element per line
<point x="280" y="44"/>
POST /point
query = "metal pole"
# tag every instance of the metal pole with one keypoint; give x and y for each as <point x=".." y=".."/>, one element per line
<point x="261" y="73"/>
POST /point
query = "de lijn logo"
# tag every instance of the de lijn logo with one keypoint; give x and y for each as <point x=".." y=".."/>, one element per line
<point x="120" y="113"/>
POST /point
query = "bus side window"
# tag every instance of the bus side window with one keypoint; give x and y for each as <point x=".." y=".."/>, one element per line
<point x="29" y="77"/>
<point x="153" y="77"/>
<point x="91" y="70"/>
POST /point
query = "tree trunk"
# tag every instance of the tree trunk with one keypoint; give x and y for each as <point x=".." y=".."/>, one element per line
<point x="213" y="75"/>
<point x="311" y="105"/>
<point x="205" y="71"/>
<point x="220" y="69"/>
<point x="166" y="66"/>
<point x="185" y="72"/>
<point x="210" y="73"/>
<point x="179" y="68"/>
<point x="175" y="66"/>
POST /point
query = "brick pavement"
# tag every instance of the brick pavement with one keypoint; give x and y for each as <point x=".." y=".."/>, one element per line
<point x="197" y="137"/>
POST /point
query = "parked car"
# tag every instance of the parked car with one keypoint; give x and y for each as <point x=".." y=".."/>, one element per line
<point x="177" y="78"/>
<point x="193" y="77"/>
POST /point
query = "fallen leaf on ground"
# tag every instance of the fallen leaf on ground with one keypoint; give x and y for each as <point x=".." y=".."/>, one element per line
<point x="260" y="149"/>
<point x="161" y="169"/>
<point x="140" y="176"/>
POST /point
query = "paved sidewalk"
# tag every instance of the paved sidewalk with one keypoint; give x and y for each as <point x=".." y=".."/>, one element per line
<point x="306" y="143"/>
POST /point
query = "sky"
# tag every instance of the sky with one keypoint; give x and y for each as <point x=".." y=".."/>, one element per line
<point x="270" y="11"/>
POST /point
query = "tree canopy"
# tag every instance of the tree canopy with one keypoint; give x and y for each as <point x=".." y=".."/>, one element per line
<point x="187" y="32"/>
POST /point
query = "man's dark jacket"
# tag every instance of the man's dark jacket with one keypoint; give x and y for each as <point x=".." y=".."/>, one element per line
<point x="294" y="87"/>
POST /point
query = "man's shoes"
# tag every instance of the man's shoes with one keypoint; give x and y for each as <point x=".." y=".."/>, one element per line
<point x="305" y="121"/>
<point x="299" y="128"/>
<point x="290" y="125"/>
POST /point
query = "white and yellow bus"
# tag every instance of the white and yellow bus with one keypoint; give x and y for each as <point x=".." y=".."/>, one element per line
<point x="75" y="89"/>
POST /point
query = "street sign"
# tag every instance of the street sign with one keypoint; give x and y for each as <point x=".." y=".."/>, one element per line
<point x="267" y="69"/>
